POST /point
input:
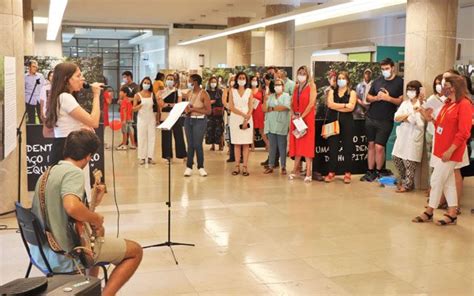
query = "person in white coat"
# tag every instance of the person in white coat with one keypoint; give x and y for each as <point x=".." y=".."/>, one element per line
<point x="146" y="105"/>
<point x="408" y="148"/>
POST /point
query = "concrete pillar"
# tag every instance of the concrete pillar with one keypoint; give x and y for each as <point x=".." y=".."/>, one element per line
<point x="429" y="48"/>
<point x="239" y="45"/>
<point x="28" y="34"/>
<point x="280" y="38"/>
<point x="11" y="36"/>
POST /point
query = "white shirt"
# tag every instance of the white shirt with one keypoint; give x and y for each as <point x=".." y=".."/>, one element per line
<point x="66" y="123"/>
<point x="409" y="142"/>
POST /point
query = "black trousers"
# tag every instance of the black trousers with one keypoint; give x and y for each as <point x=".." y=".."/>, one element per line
<point x="166" y="142"/>
<point x="344" y="140"/>
<point x="31" y="111"/>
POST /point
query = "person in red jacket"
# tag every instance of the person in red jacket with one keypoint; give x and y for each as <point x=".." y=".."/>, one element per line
<point x="452" y="129"/>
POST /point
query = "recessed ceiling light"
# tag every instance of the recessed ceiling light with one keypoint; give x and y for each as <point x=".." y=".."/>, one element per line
<point x="56" y="13"/>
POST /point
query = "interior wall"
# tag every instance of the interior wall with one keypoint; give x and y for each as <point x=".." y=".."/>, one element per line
<point x="465" y="33"/>
<point x="44" y="47"/>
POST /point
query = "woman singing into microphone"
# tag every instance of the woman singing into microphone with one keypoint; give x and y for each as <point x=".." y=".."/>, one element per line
<point x="64" y="115"/>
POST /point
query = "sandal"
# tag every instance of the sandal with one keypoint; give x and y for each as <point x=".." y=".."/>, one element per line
<point x="419" y="219"/>
<point x="308" y="179"/>
<point x="401" y="189"/>
<point x="453" y="221"/>
<point x="283" y="171"/>
<point x="291" y="176"/>
<point x="236" y="171"/>
<point x="347" y="178"/>
<point x="330" y="177"/>
<point x="268" y="170"/>
<point x="245" y="173"/>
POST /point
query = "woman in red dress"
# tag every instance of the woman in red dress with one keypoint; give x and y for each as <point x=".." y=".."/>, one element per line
<point x="302" y="106"/>
<point x="257" y="114"/>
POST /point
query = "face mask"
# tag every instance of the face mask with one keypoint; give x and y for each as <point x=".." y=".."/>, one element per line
<point x="341" y="82"/>
<point x="301" y="78"/>
<point x="447" y="92"/>
<point x="278" y="89"/>
<point x="190" y="85"/>
<point x="242" y="82"/>
<point x="125" y="80"/>
<point x="146" y="86"/>
<point x="213" y="85"/>
<point x="439" y="88"/>
<point x="254" y="83"/>
<point x="386" y="73"/>
<point x="442" y="82"/>
<point x="411" y="94"/>
<point x="169" y="83"/>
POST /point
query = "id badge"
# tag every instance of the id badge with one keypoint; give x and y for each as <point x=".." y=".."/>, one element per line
<point x="439" y="130"/>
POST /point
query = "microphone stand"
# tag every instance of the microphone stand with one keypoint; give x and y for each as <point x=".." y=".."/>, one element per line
<point x="20" y="140"/>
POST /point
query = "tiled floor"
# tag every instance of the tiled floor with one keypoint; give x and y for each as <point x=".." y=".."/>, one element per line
<point x="265" y="235"/>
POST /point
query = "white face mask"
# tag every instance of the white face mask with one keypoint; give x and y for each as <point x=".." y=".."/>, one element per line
<point x="254" y="83"/>
<point x="278" y="89"/>
<point x="439" y="88"/>
<point x="125" y="80"/>
<point x="386" y="73"/>
<point x="242" y="82"/>
<point x="213" y="85"/>
<point x="169" y="83"/>
<point x="146" y="86"/>
<point x="190" y="85"/>
<point x="411" y="94"/>
<point x="341" y="82"/>
<point x="301" y="78"/>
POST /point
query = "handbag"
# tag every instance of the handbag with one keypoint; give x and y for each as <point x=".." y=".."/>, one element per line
<point x="332" y="128"/>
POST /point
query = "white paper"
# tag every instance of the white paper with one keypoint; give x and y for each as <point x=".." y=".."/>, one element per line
<point x="300" y="124"/>
<point x="174" y="115"/>
<point x="10" y="105"/>
<point x="255" y="104"/>
<point x="433" y="103"/>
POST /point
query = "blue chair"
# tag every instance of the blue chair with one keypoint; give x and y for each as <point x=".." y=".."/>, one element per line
<point x="32" y="233"/>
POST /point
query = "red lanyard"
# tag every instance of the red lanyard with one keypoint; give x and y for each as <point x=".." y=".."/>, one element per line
<point x="446" y="111"/>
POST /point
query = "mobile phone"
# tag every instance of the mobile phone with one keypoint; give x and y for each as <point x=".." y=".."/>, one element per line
<point x="241" y="125"/>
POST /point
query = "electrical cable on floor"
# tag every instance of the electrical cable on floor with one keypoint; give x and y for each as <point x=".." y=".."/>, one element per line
<point x="113" y="174"/>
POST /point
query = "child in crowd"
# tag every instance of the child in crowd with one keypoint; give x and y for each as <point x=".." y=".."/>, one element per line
<point x="126" y="117"/>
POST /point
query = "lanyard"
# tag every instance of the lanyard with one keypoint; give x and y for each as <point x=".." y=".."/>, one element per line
<point x="446" y="111"/>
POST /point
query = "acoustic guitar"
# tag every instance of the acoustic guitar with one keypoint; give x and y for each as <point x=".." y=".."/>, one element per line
<point x="86" y="234"/>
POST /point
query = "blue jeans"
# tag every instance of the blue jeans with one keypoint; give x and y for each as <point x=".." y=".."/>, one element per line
<point x="279" y="141"/>
<point x="195" y="129"/>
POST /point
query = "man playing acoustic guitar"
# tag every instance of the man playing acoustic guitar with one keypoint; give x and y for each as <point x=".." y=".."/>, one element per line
<point x="63" y="192"/>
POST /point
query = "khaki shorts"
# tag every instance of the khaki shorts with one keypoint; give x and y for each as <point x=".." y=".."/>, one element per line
<point x="110" y="250"/>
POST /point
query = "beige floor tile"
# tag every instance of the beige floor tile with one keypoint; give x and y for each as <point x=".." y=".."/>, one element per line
<point x="320" y="286"/>
<point x="341" y="264"/>
<point x="317" y="247"/>
<point x="249" y="289"/>
<point x="375" y="283"/>
<point x="283" y="271"/>
<point x="260" y="253"/>
<point x="170" y="282"/>
<point x="436" y="279"/>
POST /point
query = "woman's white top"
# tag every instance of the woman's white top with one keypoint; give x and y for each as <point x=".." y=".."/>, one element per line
<point x="66" y="123"/>
<point x="410" y="133"/>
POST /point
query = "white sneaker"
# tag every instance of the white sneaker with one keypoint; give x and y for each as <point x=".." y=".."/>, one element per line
<point x="202" y="172"/>
<point x="188" y="172"/>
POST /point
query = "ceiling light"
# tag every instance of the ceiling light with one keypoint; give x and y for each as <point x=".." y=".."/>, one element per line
<point x="313" y="14"/>
<point x="39" y="20"/>
<point x="56" y="13"/>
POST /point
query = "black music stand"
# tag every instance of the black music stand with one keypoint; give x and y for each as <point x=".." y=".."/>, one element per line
<point x="170" y="243"/>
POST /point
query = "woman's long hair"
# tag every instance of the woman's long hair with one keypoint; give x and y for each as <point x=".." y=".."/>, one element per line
<point x="62" y="73"/>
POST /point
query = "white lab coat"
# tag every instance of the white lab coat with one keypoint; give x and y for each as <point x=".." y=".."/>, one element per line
<point x="409" y="142"/>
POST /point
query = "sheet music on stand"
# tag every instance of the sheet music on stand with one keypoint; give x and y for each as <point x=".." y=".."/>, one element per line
<point x="174" y="115"/>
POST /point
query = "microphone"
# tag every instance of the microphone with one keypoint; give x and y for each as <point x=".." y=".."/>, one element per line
<point x="86" y="85"/>
<point x="38" y="81"/>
